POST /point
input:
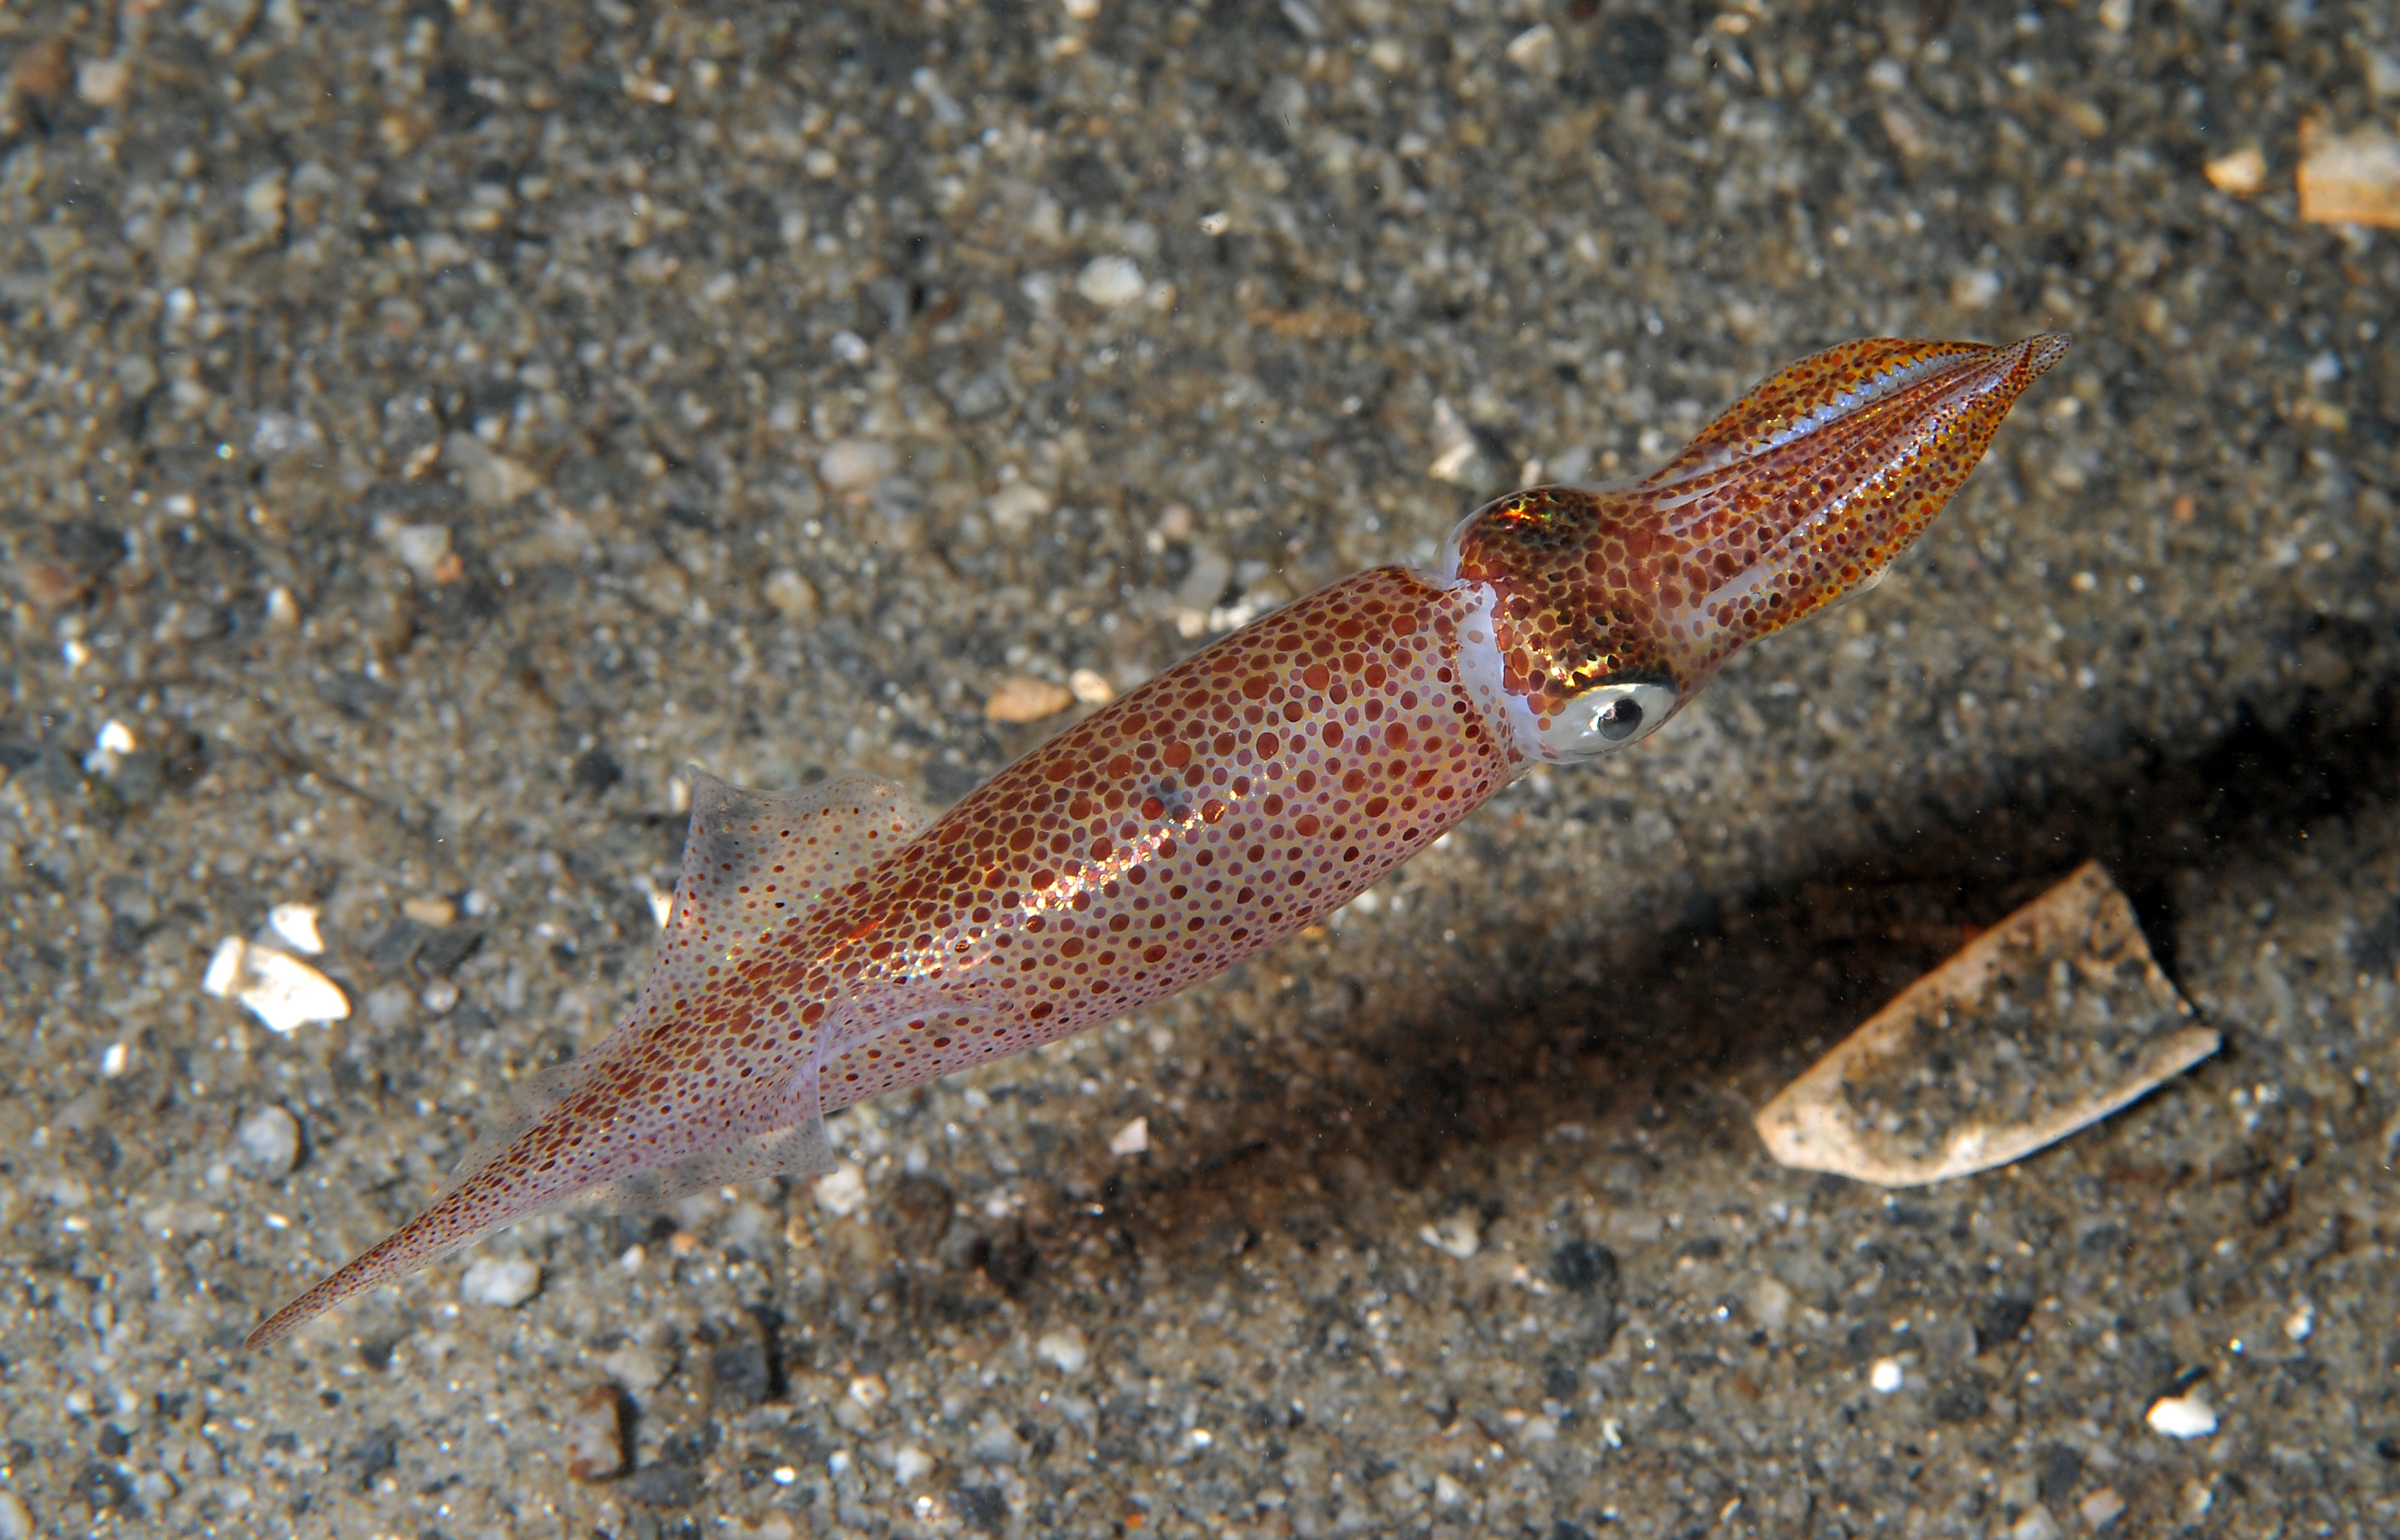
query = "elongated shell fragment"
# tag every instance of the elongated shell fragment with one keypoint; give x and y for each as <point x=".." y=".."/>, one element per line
<point x="2046" y="1023"/>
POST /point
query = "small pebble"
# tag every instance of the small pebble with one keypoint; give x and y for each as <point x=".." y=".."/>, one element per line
<point x="504" y="1281"/>
<point x="424" y="549"/>
<point x="1020" y="699"/>
<point x="842" y="1190"/>
<point x="1068" y="1348"/>
<point x="388" y="1007"/>
<point x="103" y="83"/>
<point x="1131" y="1139"/>
<point x="636" y="1368"/>
<point x="2239" y="175"/>
<point x="2101" y="1509"/>
<point x="1885" y="1375"/>
<point x="595" y="1435"/>
<point x="848" y="463"/>
<point x="994" y="1443"/>
<point x="429" y="910"/>
<point x="869" y="1391"/>
<point x="1110" y="281"/>
<point x="1459" y="1234"/>
<point x="439" y="996"/>
<point x="2182" y="1417"/>
<point x="266" y="1143"/>
<point x="2036" y="1524"/>
<point x="1015" y="506"/>
<point x="909" y="1464"/>
<point x="1091" y="686"/>
<point x="790" y="596"/>
<point x="1975" y="289"/>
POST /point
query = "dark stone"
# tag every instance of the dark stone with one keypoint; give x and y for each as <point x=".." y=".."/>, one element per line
<point x="596" y="771"/>
<point x="104" y="1487"/>
<point x="742" y="1373"/>
<point x="983" y="1509"/>
<point x="1633" y="51"/>
<point x="1962" y="1400"/>
<point x="662" y="1487"/>
<point x="2000" y="1321"/>
<point x="394" y="946"/>
<point x="379" y="1452"/>
<point x="356" y="696"/>
<point x="1584" y="1267"/>
<point x="443" y="950"/>
<point x="2056" y="1468"/>
<point x="112" y="1441"/>
<point x="920" y="1213"/>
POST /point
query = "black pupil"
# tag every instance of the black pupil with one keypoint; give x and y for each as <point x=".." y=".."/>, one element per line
<point x="1621" y="720"/>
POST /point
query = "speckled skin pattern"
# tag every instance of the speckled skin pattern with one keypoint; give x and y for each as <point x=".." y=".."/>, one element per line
<point x="1800" y="492"/>
<point x="824" y="949"/>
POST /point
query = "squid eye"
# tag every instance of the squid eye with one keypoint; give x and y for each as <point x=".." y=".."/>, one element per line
<point x="1607" y="718"/>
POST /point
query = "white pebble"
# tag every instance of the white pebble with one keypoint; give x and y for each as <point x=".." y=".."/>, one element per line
<point x="266" y="1143"/>
<point x="1885" y="1375"/>
<point x="909" y="1464"/>
<point x="1068" y="1348"/>
<point x="504" y="1281"/>
<point x="103" y="83"/>
<point x="277" y="987"/>
<point x="388" y="1007"/>
<point x="1131" y="1139"/>
<point x="1459" y="1234"/>
<point x="2182" y="1417"/>
<point x="856" y="462"/>
<point x="636" y="1368"/>
<point x="1110" y="281"/>
<point x="420" y="547"/>
<point x="1975" y="289"/>
<point x="2035" y="1525"/>
<point x="842" y="1190"/>
<point x="792" y="596"/>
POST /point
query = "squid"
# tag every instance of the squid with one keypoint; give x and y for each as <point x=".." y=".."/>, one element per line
<point x="833" y="943"/>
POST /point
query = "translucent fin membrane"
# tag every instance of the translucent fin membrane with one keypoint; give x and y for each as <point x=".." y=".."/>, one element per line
<point x="654" y="1112"/>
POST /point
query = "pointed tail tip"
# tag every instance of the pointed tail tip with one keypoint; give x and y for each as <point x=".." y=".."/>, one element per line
<point x="2043" y="349"/>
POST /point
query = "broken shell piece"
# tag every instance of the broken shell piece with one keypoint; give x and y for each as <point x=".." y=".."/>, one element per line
<point x="2352" y="178"/>
<point x="297" y="923"/>
<point x="279" y="990"/>
<point x="2052" y="1020"/>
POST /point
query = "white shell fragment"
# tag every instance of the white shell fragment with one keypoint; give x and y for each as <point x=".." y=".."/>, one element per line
<point x="279" y="990"/>
<point x="297" y="923"/>
<point x="1131" y="1139"/>
<point x="2182" y="1417"/>
<point x="2052" y="1020"/>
